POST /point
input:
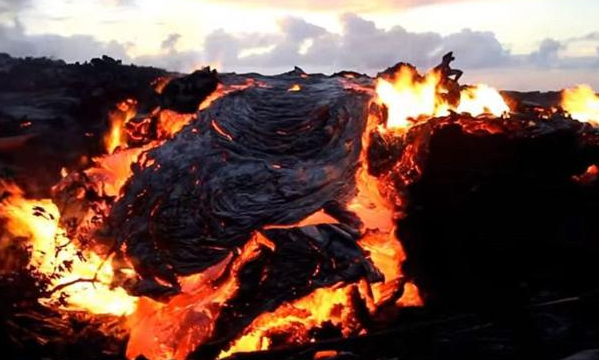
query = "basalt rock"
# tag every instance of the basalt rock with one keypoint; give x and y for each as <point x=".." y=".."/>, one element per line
<point x="261" y="156"/>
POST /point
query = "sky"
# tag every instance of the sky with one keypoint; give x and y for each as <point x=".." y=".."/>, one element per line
<point x="509" y="44"/>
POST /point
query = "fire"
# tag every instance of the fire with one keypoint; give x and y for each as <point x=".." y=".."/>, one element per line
<point x="482" y="99"/>
<point x="582" y="103"/>
<point x="295" y="87"/>
<point x="111" y="172"/>
<point x="80" y="279"/>
<point x="410" y="96"/>
<point x="116" y="136"/>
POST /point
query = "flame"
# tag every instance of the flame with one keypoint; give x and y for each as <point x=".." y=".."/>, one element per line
<point x="482" y="99"/>
<point x="116" y="136"/>
<point x="582" y="103"/>
<point x="295" y="87"/>
<point x="111" y="172"/>
<point x="79" y="279"/>
<point x="410" y="96"/>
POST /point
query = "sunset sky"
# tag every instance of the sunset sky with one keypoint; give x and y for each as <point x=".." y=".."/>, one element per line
<point x="511" y="44"/>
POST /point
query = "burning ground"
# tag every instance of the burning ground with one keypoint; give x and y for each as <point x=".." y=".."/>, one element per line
<point x="203" y="216"/>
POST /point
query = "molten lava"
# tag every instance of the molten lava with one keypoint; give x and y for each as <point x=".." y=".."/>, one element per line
<point x="174" y="329"/>
<point x="582" y="103"/>
<point x="116" y="136"/>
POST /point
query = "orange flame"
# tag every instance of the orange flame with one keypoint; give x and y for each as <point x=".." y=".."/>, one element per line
<point x="82" y="275"/>
<point x="116" y="136"/>
<point x="482" y="99"/>
<point x="409" y="96"/>
<point x="582" y="103"/>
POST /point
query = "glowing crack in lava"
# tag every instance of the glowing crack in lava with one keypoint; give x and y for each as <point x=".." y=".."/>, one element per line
<point x="82" y="275"/>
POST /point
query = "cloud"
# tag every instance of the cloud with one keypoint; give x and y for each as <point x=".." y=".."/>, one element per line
<point x="16" y="42"/>
<point x="336" y="5"/>
<point x="360" y="45"/>
<point x="548" y="53"/>
<point x="12" y="7"/>
<point x="170" y="42"/>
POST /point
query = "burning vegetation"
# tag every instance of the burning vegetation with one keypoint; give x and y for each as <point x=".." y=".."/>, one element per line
<point x="227" y="214"/>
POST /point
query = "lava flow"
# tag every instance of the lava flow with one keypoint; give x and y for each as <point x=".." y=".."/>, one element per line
<point x="82" y="276"/>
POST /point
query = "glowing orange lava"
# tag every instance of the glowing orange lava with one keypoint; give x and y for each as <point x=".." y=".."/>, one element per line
<point x="582" y="103"/>
<point x="187" y="320"/>
<point x="116" y="136"/>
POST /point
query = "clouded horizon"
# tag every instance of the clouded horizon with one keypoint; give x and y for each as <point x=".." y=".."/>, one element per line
<point x="521" y="45"/>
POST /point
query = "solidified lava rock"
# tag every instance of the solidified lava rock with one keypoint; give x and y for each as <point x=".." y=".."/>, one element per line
<point x="261" y="156"/>
<point x="497" y="215"/>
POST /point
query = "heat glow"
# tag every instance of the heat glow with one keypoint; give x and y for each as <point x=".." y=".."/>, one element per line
<point x="409" y="97"/>
<point x="582" y="103"/>
<point x="80" y="279"/>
